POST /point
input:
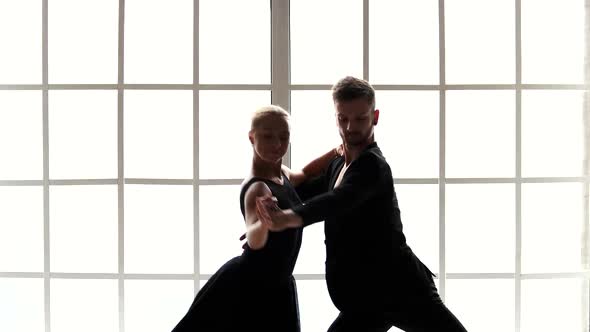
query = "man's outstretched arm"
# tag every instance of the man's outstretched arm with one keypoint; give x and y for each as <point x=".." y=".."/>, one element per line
<point x="361" y="181"/>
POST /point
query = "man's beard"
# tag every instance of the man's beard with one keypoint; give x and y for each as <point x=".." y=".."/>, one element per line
<point x="355" y="139"/>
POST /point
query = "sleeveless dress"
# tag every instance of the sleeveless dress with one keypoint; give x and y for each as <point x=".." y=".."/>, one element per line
<point x="255" y="291"/>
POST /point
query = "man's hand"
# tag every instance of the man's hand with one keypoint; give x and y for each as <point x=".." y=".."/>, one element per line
<point x="273" y="217"/>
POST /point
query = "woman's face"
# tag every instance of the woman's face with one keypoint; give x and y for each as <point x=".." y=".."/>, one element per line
<point x="270" y="139"/>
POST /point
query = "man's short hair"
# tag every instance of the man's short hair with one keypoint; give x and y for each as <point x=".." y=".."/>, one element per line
<point x="350" y="88"/>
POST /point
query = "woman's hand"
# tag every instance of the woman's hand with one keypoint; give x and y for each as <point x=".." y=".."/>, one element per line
<point x="339" y="150"/>
<point x="273" y="217"/>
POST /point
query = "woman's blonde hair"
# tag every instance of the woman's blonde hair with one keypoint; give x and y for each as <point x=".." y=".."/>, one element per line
<point x="264" y="111"/>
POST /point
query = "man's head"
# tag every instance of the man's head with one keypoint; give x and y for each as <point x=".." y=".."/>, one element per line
<point x="356" y="116"/>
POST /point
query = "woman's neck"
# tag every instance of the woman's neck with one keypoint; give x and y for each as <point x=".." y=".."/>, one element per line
<point x="264" y="169"/>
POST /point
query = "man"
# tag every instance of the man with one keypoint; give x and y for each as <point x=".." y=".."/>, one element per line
<point x="373" y="277"/>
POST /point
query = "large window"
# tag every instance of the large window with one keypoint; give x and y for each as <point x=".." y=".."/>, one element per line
<point x="123" y="142"/>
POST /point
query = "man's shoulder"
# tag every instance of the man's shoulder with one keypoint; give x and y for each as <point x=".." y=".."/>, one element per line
<point x="374" y="155"/>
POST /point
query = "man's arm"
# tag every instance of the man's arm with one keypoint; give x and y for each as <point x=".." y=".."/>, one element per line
<point x="362" y="180"/>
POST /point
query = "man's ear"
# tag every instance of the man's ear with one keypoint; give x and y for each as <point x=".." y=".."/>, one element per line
<point x="375" y="117"/>
<point x="251" y="137"/>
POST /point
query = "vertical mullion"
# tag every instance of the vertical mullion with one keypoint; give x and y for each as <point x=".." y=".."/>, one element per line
<point x="366" y="40"/>
<point x="196" y="224"/>
<point x="45" y="116"/>
<point x="120" y="166"/>
<point x="280" y="59"/>
<point x="585" y="298"/>
<point x="518" y="170"/>
<point x="442" y="145"/>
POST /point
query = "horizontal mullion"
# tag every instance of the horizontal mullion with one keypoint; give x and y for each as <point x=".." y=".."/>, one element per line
<point x="415" y="180"/>
<point x="218" y="182"/>
<point x="140" y="276"/>
<point x="81" y="182"/>
<point x="82" y="86"/>
<point x="553" y="179"/>
<point x="479" y="180"/>
<point x="21" y="275"/>
<point x="555" y="86"/>
<point x="234" y="87"/>
<point x="516" y="180"/>
<point x="159" y="181"/>
<point x="21" y="86"/>
<point x="480" y="275"/>
<point x="564" y="275"/>
<point x="21" y="183"/>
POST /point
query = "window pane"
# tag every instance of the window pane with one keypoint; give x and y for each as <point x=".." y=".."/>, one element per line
<point x="156" y="305"/>
<point x="159" y="134"/>
<point x="318" y="54"/>
<point x="161" y="52"/>
<point x="408" y="132"/>
<point x="83" y="41"/>
<point x="21" y="229"/>
<point x="92" y="304"/>
<point x="480" y="228"/>
<point x="236" y="48"/>
<point x="399" y="57"/>
<point x="419" y="210"/>
<point x="159" y="229"/>
<point x="82" y="134"/>
<point x="21" y="120"/>
<point x="472" y="301"/>
<point x="224" y="123"/>
<point x="313" y="126"/>
<point x="20" y="37"/>
<point x="479" y="41"/>
<point x="22" y="305"/>
<point x="551" y="235"/>
<point x="552" y="133"/>
<point x="480" y="134"/>
<point x="553" y="305"/>
<point x="221" y="223"/>
<point x="83" y="228"/>
<point x="315" y="306"/>
<point x="553" y="53"/>
<point x="312" y="255"/>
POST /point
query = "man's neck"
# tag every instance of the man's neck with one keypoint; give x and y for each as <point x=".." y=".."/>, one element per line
<point x="351" y="152"/>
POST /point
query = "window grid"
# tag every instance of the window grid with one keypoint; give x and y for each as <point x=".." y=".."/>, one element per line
<point x="280" y="89"/>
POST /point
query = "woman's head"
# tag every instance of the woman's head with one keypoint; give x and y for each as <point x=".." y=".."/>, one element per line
<point x="270" y="132"/>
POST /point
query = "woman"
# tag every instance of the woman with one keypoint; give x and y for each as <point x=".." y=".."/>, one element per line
<point x="256" y="291"/>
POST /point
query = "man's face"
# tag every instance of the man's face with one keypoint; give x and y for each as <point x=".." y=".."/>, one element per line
<point x="355" y="119"/>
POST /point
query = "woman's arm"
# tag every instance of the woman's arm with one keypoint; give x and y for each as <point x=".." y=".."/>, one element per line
<point x="256" y="231"/>
<point x="314" y="168"/>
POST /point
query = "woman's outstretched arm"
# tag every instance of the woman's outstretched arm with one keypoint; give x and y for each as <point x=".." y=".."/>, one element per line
<point x="256" y="231"/>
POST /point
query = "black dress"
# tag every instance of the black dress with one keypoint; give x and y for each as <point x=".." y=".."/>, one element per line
<point x="255" y="291"/>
